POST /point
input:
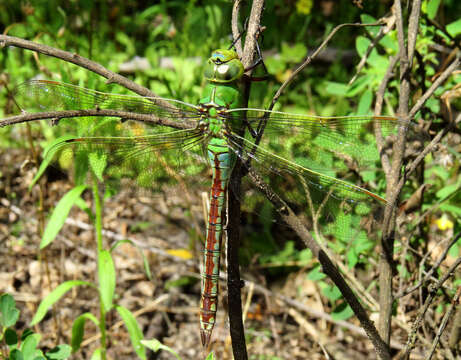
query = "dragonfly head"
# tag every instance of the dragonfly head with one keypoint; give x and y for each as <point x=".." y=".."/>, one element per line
<point x="223" y="66"/>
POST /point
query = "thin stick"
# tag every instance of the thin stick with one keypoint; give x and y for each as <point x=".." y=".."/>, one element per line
<point x="81" y="61"/>
<point x="308" y="59"/>
<point x="432" y="292"/>
<point x="125" y="115"/>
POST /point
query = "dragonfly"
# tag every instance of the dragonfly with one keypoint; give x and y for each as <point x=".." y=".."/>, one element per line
<point x="306" y="158"/>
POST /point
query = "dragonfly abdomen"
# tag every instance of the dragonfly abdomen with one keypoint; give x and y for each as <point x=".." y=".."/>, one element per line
<point x="222" y="162"/>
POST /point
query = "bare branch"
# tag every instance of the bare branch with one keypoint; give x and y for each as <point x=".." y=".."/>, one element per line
<point x="125" y="115"/>
<point x="76" y="59"/>
<point x="254" y="24"/>
<point x="390" y="21"/>
<point x="444" y="323"/>
<point x="440" y="80"/>
<point x="309" y="59"/>
<point x="233" y="219"/>
<point x="235" y="28"/>
<point x="434" y="268"/>
<point x="432" y="292"/>
<point x="413" y="23"/>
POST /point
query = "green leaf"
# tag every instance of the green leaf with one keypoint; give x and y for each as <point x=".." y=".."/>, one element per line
<point x="11" y="338"/>
<point x="455" y="210"/>
<point x="332" y="293"/>
<point x="156" y="345"/>
<point x="98" y="163"/>
<point x="365" y="103"/>
<point x="48" y="155"/>
<point x="211" y="356"/>
<point x="293" y="53"/>
<point x="454" y="28"/>
<point x="133" y="330"/>
<point x="106" y="276"/>
<point x="8" y="312"/>
<point x="27" y="332"/>
<point x="368" y="19"/>
<point x="59" y="215"/>
<point x="62" y="351"/>
<point x="447" y="190"/>
<point x="316" y="274"/>
<point x="432" y="8"/>
<point x="16" y="354"/>
<point x="342" y="312"/>
<point x="78" y="329"/>
<point x="334" y="88"/>
<point x="54" y="296"/>
<point x="96" y="354"/>
<point x="29" y="346"/>
<point x="352" y="258"/>
<point x="361" y="44"/>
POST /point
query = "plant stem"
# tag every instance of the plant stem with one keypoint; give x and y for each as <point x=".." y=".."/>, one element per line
<point x="98" y="215"/>
<point x="98" y="230"/>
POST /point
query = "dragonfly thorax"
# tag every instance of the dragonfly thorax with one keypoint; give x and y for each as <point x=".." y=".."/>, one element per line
<point x="213" y="120"/>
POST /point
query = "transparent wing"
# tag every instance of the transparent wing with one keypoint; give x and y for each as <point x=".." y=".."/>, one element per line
<point x="147" y="160"/>
<point x="45" y="95"/>
<point x="318" y="140"/>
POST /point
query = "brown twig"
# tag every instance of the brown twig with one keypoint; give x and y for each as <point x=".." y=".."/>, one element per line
<point x="432" y="292"/>
<point x="433" y="269"/>
<point x="309" y="59"/>
<point x="235" y="28"/>
<point x="81" y="61"/>
<point x="125" y="115"/>
<point x="390" y="21"/>
<point x="440" y="80"/>
<point x="393" y="175"/>
<point x="443" y="324"/>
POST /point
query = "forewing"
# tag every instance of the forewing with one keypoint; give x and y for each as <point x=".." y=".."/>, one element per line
<point x="46" y="95"/>
<point x="319" y="141"/>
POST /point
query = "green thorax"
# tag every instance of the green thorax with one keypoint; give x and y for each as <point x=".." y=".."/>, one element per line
<point x="222" y="72"/>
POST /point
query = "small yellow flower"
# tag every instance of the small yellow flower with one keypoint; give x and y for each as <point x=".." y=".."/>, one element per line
<point x="444" y="223"/>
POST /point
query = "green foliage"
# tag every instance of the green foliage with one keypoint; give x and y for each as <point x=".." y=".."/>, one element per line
<point x="134" y="331"/>
<point x="106" y="277"/>
<point x="78" y="328"/>
<point x="156" y="346"/>
<point x="26" y="346"/>
<point x="53" y="297"/>
<point x="59" y="215"/>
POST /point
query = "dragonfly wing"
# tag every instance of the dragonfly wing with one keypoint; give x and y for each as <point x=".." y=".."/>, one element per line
<point x="335" y="206"/>
<point x="149" y="161"/>
<point x="46" y="95"/>
<point x="320" y="140"/>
